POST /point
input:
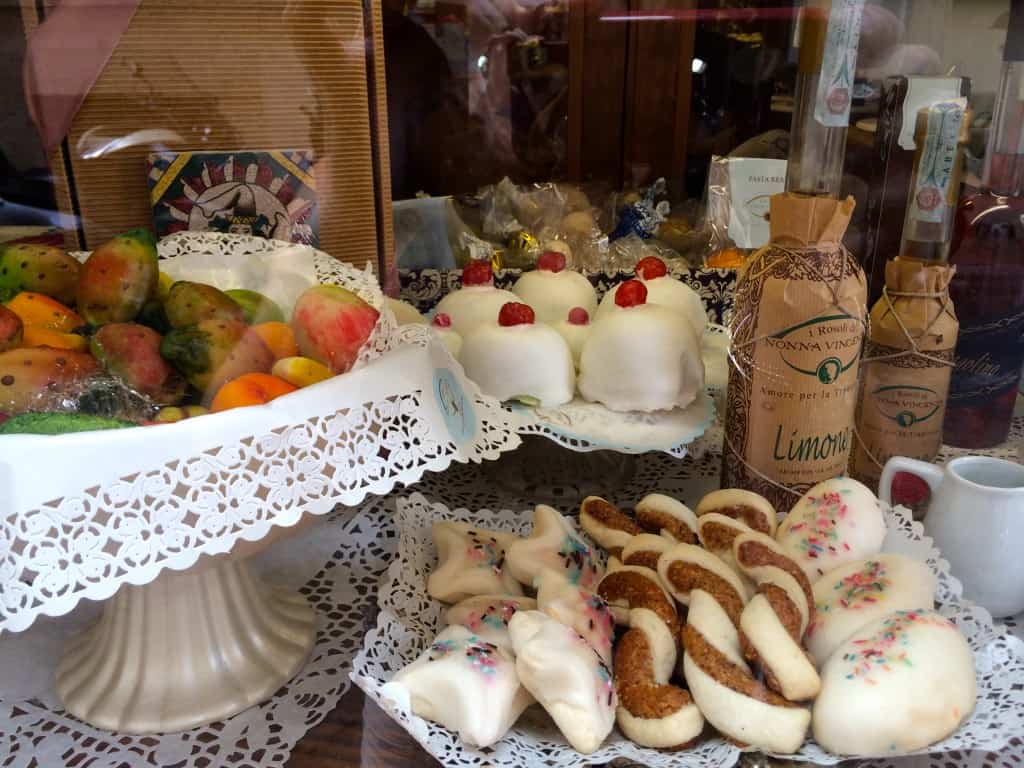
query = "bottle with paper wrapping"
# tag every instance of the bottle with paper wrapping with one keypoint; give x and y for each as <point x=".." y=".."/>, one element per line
<point x="800" y="309"/>
<point x="909" y="356"/>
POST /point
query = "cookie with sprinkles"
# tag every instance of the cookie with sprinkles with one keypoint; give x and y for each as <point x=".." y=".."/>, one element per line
<point x="555" y="544"/>
<point x="471" y="561"/>
<point x="861" y="592"/>
<point x="896" y="685"/>
<point x="466" y="684"/>
<point x="836" y="522"/>
<point x="487" y="616"/>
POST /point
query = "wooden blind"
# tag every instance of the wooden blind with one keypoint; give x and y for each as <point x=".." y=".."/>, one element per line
<point x="237" y="75"/>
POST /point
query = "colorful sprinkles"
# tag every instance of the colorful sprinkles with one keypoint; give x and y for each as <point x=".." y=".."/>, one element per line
<point x="481" y="655"/>
<point x="496" y="615"/>
<point x="820" y="535"/>
<point x="577" y="561"/>
<point x="889" y="647"/>
<point x="484" y="552"/>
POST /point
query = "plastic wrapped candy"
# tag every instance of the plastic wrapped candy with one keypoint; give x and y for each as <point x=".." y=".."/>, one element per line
<point x="642" y="217"/>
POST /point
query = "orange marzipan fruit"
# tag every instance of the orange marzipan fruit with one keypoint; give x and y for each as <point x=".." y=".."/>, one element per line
<point x="250" y="389"/>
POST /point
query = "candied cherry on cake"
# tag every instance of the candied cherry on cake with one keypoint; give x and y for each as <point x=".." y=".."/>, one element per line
<point x="631" y="293"/>
<point x="442" y="320"/>
<point x="477" y="273"/>
<point x="515" y="313"/>
<point x="578" y="316"/>
<point x="551" y="261"/>
<point x="650" y="267"/>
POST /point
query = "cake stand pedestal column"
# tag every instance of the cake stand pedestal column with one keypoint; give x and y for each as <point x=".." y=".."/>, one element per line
<point x="187" y="649"/>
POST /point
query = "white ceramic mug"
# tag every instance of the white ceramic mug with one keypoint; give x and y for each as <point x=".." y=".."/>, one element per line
<point x="976" y="518"/>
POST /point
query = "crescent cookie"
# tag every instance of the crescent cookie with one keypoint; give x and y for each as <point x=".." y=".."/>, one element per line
<point x="553" y="544"/>
<point x="740" y="707"/>
<point x="774" y="621"/>
<point x="606" y="524"/>
<point x="487" y="616"/>
<point x="687" y="567"/>
<point x="467" y="685"/>
<point x="579" y="608"/>
<point x="651" y="712"/>
<point x="746" y="506"/>
<point x="836" y="522"/>
<point x="862" y="592"/>
<point x="896" y="685"/>
<point x="661" y="514"/>
<point x="471" y="561"/>
<point x="566" y="676"/>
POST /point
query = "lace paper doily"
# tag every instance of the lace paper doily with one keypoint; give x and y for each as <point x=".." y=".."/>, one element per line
<point x="128" y="503"/>
<point x="410" y="619"/>
<point x="342" y="588"/>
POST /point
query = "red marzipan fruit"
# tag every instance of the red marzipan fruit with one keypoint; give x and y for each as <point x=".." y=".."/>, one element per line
<point x="442" y="320"/>
<point x="551" y="261"/>
<point x="651" y="267"/>
<point x="631" y="293"/>
<point x="515" y="313"/>
<point x="578" y="316"/>
<point x="477" y="273"/>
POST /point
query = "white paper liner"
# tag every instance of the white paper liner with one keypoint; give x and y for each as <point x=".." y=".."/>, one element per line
<point x="82" y="514"/>
<point x="410" y="619"/>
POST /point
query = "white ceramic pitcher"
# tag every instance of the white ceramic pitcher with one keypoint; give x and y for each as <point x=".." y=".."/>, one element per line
<point x="976" y="518"/>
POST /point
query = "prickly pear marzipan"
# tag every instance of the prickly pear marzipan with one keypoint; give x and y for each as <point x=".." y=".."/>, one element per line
<point x="38" y="268"/>
<point x="118" y="278"/>
<point x="27" y="373"/>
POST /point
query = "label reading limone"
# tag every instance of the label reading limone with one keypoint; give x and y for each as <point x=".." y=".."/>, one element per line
<point x="804" y="393"/>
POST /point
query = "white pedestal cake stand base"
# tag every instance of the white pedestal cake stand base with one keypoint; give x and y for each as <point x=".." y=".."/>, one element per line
<point x="186" y="649"/>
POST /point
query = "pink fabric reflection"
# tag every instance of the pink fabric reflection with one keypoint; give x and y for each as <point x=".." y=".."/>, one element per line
<point x="65" y="56"/>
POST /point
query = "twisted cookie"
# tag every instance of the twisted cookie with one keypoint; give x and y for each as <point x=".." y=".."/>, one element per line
<point x="651" y="712"/>
<point x="606" y="525"/>
<point x="726" y="692"/>
<point x="686" y="567"/>
<point x="774" y="621"/>
<point x="746" y="506"/>
<point x="717" y="532"/>
<point x="645" y="549"/>
<point x="661" y="514"/>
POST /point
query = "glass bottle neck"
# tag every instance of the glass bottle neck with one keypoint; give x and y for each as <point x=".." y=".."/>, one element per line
<point x="1004" y="158"/>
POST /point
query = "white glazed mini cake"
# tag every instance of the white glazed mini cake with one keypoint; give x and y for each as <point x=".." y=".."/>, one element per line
<point x="575" y="329"/>
<point x="862" y="592"/>
<point x="835" y="522"/>
<point x="578" y="608"/>
<point x="642" y="358"/>
<point x="553" y="544"/>
<point x="518" y="357"/>
<point x="477" y="302"/>
<point x="470" y="561"/>
<point x="552" y="290"/>
<point x="442" y="327"/>
<point x="566" y="676"/>
<point x="897" y="685"/>
<point x="487" y="616"/>
<point x="666" y="291"/>
<point x="467" y="685"/>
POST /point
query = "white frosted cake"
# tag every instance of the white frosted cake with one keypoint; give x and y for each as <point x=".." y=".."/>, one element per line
<point x="575" y="329"/>
<point x="552" y="290"/>
<point x="477" y="302"/>
<point x="442" y="327"/>
<point x="642" y="357"/>
<point x="518" y="357"/>
<point x="666" y="291"/>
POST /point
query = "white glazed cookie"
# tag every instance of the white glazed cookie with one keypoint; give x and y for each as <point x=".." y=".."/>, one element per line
<point x="467" y="685"/>
<point x="658" y="513"/>
<point x="579" y="608"/>
<point x="897" y="685"/>
<point x="751" y="508"/>
<point x="834" y="523"/>
<point x="566" y="676"/>
<point x="739" y="706"/>
<point x="487" y="616"/>
<point x="553" y="544"/>
<point x="470" y="561"/>
<point x="860" y="593"/>
<point x="773" y="623"/>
